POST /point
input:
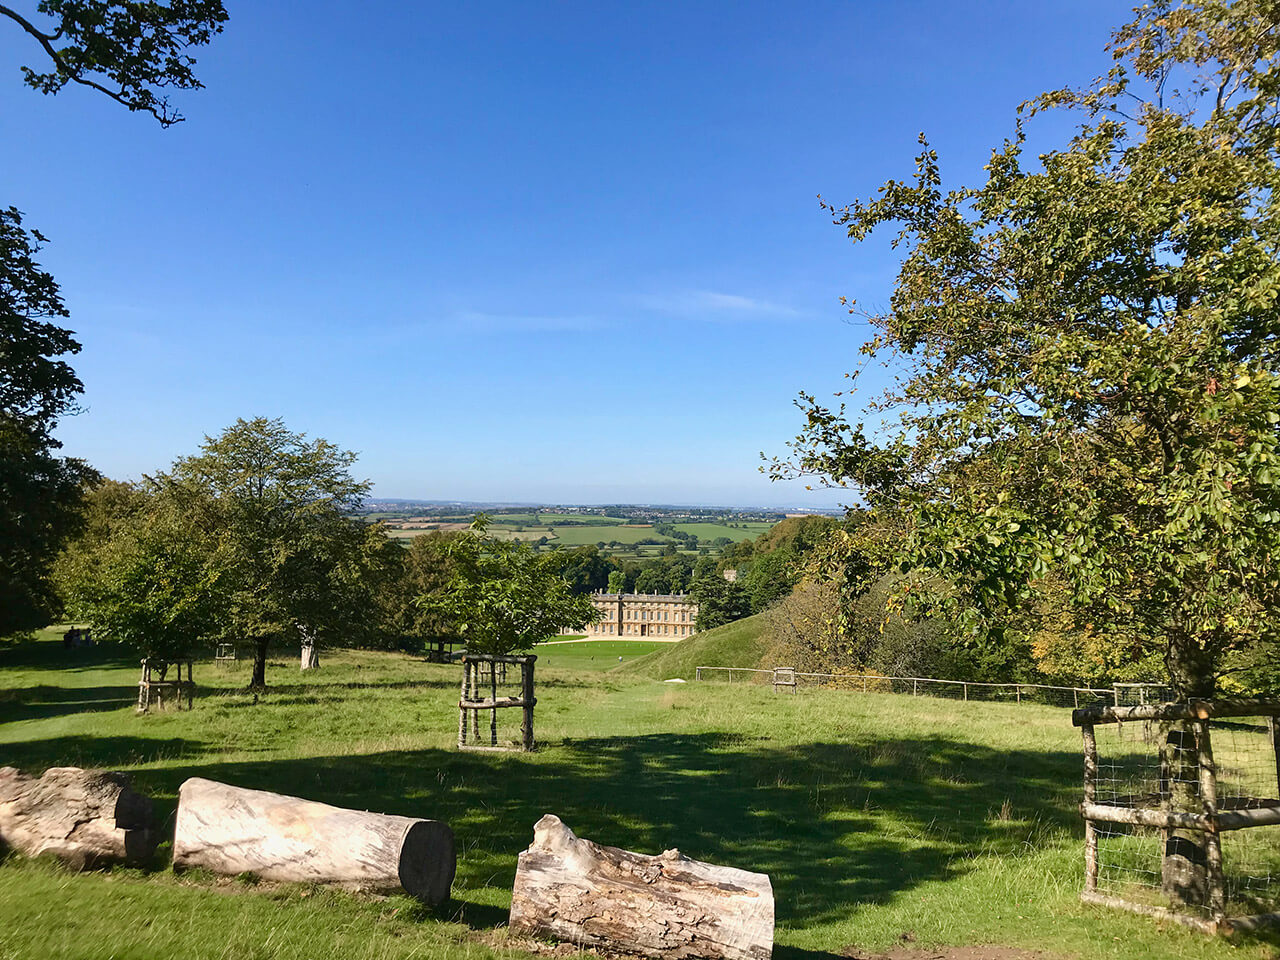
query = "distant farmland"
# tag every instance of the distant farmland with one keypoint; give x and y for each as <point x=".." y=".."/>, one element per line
<point x="570" y="530"/>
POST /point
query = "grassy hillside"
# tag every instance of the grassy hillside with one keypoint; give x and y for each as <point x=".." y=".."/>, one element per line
<point x="881" y="820"/>
<point x="738" y="644"/>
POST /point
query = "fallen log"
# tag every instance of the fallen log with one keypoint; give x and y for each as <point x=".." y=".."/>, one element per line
<point x="85" y="818"/>
<point x="231" y="830"/>
<point x="664" y="906"/>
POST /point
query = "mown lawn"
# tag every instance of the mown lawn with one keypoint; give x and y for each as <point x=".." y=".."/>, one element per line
<point x="875" y="816"/>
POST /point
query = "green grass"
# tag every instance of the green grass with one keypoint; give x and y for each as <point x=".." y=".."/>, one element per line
<point x="874" y="815"/>
<point x="749" y="530"/>
<point x="594" y="654"/>
<point x="577" y="536"/>
<point x="738" y="644"/>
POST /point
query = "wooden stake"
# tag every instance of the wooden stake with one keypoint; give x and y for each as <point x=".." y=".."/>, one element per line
<point x="1090" y="794"/>
<point x="1212" y="843"/>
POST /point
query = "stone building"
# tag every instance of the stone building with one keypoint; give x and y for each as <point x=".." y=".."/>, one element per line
<point x="661" y="616"/>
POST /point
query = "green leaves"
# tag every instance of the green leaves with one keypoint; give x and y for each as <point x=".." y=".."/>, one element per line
<point x="1089" y="339"/>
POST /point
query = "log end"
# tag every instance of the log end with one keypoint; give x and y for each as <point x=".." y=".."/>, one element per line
<point x="428" y="860"/>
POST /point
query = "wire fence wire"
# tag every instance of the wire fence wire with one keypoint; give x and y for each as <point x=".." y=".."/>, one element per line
<point x="1039" y="693"/>
<point x="1154" y="765"/>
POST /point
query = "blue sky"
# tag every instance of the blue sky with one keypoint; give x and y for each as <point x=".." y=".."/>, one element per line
<point x="560" y="252"/>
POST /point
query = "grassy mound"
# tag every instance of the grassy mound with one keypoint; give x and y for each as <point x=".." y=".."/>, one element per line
<point x="743" y="643"/>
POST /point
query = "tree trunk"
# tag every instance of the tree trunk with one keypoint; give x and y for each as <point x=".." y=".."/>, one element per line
<point x="231" y="830"/>
<point x="85" y="818"/>
<point x="663" y="906"/>
<point x="310" y="655"/>
<point x="1183" y="869"/>
<point x="259" y="679"/>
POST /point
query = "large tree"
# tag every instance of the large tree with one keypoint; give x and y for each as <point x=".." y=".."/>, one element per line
<point x="39" y="491"/>
<point x="271" y="510"/>
<point x="1088" y="342"/>
<point x="130" y="51"/>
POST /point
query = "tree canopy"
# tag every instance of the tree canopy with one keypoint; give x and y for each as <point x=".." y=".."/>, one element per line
<point x="39" y="491"/>
<point x="128" y="50"/>
<point x="504" y="597"/>
<point x="1088" y="342"/>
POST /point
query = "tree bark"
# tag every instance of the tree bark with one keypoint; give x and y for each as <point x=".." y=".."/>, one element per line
<point x="231" y="830"/>
<point x="85" y="818"/>
<point x="663" y="906"/>
<point x="259" y="679"/>
<point x="310" y="658"/>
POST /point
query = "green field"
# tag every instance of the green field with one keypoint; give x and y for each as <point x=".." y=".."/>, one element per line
<point x="706" y="532"/>
<point x="595" y="654"/>
<point x="880" y="819"/>
<point x="577" y="536"/>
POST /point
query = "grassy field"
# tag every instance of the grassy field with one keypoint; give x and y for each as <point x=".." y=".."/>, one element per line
<point x="880" y="819"/>
<point x="747" y="530"/>
<point x="738" y="644"/>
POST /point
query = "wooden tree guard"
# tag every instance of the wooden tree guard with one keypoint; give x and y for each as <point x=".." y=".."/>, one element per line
<point x="1207" y="820"/>
<point x="481" y="670"/>
<point x="663" y="906"/>
<point x="224" y="653"/>
<point x="784" y="677"/>
<point x="231" y="830"/>
<point x="156" y="683"/>
<point x="85" y="818"/>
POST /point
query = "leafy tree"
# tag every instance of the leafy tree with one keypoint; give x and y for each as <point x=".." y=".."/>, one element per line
<point x="617" y="582"/>
<point x="127" y="50"/>
<point x="39" y="491"/>
<point x="504" y="597"/>
<point x="719" y="601"/>
<point x="272" y="512"/>
<point x="148" y="585"/>
<point x="1090" y="346"/>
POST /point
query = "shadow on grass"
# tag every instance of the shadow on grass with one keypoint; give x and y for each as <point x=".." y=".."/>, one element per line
<point x="835" y="825"/>
<point x="36" y="703"/>
<point x="35" y="756"/>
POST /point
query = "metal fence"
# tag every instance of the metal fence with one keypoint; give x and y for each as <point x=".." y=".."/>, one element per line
<point x="928" y="687"/>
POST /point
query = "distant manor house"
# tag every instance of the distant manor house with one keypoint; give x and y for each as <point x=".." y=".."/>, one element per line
<point x="662" y="615"/>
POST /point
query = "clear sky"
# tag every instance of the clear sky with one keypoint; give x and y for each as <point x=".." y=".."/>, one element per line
<point x="564" y="252"/>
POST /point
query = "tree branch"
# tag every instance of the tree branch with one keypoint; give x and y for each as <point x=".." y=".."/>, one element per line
<point x="158" y="110"/>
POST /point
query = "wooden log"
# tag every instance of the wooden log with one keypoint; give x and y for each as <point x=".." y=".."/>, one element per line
<point x="1187" y="710"/>
<point x="663" y="906"/>
<point x="85" y="818"/>
<point x="231" y="830"/>
<point x="1147" y="817"/>
<point x="1211" y="927"/>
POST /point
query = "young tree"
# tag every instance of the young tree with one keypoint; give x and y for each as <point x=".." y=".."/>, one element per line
<point x="1090" y="347"/>
<point x="505" y="597"/>
<point x="271" y="510"/>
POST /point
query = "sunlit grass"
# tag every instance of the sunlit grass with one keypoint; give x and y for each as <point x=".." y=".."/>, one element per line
<point x="874" y="815"/>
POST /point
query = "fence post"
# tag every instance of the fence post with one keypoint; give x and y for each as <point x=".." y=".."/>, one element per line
<point x="1075" y="692"/>
<point x="966" y="691"/>
<point x="864" y="690"/>
<point x="1019" y="689"/>
<point x="915" y="685"/>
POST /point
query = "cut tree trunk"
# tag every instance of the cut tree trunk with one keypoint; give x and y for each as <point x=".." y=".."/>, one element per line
<point x="231" y="830"/>
<point x="310" y="656"/>
<point x="663" y="906"/>
<point x="85" y="818"/>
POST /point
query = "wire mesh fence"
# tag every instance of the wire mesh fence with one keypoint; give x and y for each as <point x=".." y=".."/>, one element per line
<point x="1155" y="765"/>
<point x="926" y="686"/>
